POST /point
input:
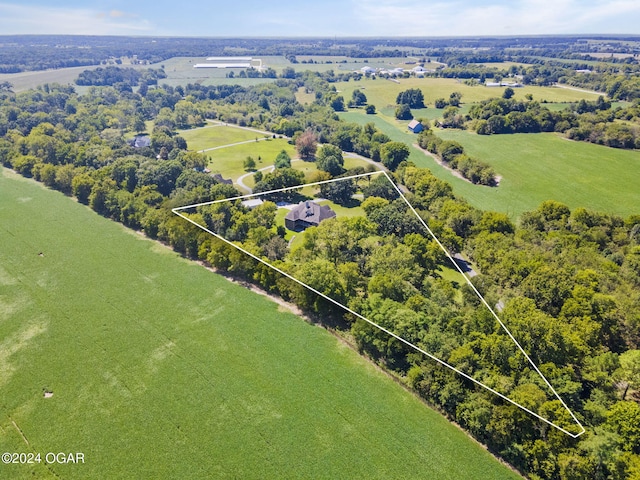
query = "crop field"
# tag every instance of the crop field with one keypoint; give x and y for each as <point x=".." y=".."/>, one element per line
<point x="155" y="367"/>
<point x="27" y="80"/>
<point x="382" y="93"/>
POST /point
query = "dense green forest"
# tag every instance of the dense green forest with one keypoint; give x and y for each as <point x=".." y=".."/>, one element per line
<point x="567" y="281"/>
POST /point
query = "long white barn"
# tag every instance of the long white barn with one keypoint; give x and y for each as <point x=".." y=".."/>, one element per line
<point x="226" y="62"/>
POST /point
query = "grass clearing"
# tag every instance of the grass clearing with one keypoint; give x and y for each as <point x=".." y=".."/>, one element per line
<point x="303" y="97"/>
<point x="534" y="168"/>
<point x="159" y="368"/>
<point x="213" y="136"/>
<point x="383" y="93"/>
<point x="544" y="166"/>
<point x="229" y="161"/>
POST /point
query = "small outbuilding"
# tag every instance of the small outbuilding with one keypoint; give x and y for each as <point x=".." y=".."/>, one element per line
<point x="307" y="214"/>
<point x="415" y="126"/>
<point x="253" y="203"/>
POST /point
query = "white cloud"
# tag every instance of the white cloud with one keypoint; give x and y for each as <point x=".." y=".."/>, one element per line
<point x="518" y="17"/>
<point x="19" y="19"/>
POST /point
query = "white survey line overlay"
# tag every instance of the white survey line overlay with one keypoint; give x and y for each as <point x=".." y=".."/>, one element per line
<point x="406" y="342"/>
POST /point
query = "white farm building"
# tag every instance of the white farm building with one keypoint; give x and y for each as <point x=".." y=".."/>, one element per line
<point x="229" y="62"/>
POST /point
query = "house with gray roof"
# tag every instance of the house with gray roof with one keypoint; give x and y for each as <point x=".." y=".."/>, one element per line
<point x="307" y="214"/>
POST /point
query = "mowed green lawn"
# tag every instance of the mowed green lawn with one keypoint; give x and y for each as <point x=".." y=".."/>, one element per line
<point x="162" y="369"/>
<point x="216" y="135"/>
<point x="229" y="161"/>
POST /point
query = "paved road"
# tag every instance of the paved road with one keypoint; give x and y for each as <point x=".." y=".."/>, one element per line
<point x="240" y="180"/>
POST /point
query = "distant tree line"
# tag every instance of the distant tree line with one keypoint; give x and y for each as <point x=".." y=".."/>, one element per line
<point x="109" y="76"/>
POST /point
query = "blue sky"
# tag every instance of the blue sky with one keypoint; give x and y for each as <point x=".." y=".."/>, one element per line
<point x="321" y="17"/>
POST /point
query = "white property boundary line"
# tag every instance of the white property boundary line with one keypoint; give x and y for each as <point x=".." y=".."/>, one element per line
<point x="381" y="328"/>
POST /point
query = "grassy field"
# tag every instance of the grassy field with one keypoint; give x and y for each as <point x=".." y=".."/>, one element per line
<point x="180" y="71"/>
<point x="215" y="136"/>
<point x="303" y="97"/>
<point x="534" y="168"/>
<point x="161" y="369"/>
<point x="538" y="167"/>
<point x="309" y="168"/>
<point x="229" y="161"/>
<point x="383" y="92"/>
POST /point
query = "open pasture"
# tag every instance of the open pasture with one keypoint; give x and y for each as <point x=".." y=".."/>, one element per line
<point x="158" y="368"/>
<point x="547" y="166"/>
<point x="533" y="167"/>
<point x="181" y="71"/>
<point x="382" y="93"/>
<point x="228" y="154"/>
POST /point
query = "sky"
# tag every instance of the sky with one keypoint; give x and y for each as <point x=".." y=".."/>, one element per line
<point x="326" y="18"/>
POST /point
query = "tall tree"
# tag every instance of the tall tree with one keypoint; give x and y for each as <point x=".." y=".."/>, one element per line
<point x="403" y="112"/>
<point x="358" y="98"/>
<point x="412" y="97"/>
<point x="306" y="145"/>
<point x="329" y="159"/>
<point x="393" y="153"/>
<point x="630" y="370"/>
<point x="339" y="192"/>
<point x="283" y="160"/>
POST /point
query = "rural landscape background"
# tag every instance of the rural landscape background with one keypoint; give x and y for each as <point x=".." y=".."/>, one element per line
<point x="158" y="349"/>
